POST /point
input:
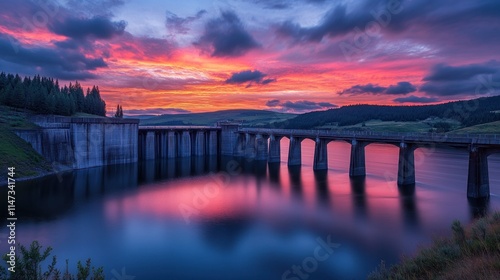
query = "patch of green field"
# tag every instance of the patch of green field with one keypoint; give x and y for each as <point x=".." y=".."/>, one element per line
<point x="15" y="118"/>
<point x="248" y="117"/>
<point x="394" y="126"/>
<point x="485" y="128"/>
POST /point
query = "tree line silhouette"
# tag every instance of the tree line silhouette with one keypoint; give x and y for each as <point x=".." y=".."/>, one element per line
<point x="44" y="96"/>
<point x="468" y="113"/>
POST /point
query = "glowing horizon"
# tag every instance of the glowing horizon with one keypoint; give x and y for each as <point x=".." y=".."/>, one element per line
<point x="202" y="56"/>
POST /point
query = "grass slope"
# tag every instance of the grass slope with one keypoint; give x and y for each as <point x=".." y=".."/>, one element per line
<point x="249" y="118"/>
<point x="472" y="253"/>
<point x="394" y="126"/>
<point x="485" y="128"/>
<point x="15" y="152"/>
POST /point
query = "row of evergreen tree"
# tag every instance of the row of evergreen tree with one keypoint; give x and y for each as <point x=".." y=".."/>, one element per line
<point x="45" y="96"/>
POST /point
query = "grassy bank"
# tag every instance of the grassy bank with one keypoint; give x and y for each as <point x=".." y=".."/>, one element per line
<point x="472" y="253"/>
<point x="485" y="128"/>
<point x="16" y="152"/>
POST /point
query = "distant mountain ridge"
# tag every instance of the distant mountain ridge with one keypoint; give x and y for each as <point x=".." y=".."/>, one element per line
<point x="248" y="118"/>
<point x="466" y="113"/>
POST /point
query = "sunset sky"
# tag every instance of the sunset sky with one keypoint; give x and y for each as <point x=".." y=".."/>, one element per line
<point x="163" y="56"/>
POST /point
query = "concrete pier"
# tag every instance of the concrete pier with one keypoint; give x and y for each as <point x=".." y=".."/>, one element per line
<point x="295" y="151"/>
<point x="262" y="152"/>
<point x="240" y="147"/>
<point x="164" y="144"/>
<point x="274" y="149"/>
<point x="150" y="145"/>
<point x="185" y="144"/>
<point x="478" y="185"/>
<point x="406" y="164"/>
<point x="171" y="144"/>
<point x="250" y="149"/>
<point x="212" y="145"/>
<point x="199" y="144"/>
<point x="357" y="165"/>
<point x="229" y="139"/>
<point x="320" y="154"/>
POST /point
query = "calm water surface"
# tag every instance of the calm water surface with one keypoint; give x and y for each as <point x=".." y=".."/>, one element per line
<point x="226" y="219"/>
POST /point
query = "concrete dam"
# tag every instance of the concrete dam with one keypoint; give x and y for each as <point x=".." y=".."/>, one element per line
<point x="83" y="142"/>
<point x="88" y="142"/>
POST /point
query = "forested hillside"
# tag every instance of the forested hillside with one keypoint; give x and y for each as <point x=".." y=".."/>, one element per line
<point x="44" y="96"/>
<point x="468" y="113"/>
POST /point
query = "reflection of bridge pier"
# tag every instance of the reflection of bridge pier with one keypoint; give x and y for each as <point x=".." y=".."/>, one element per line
<point x="409" y="207"/>
<point x="321" y="180"/>
<point x="358" y="186"/>
<point x="478" y="207"/>
<point x="229" y="139"/>
<point x="295" y="179"/>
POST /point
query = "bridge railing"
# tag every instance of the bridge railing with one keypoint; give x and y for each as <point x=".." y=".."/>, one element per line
<point x="178" y="127"/>
<point x="371" y="134"/>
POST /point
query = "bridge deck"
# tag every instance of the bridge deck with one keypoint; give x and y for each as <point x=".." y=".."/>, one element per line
<point x="178" y="127"/>
<point x="391" y="137"/>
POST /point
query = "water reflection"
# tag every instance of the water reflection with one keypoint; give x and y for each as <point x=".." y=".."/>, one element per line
<point x="243" y="219"/>
<point x="409" y="207"/>
<point x="358" y="185"/>
<point x="321" y="183"/>
<point x="479" y="207"/>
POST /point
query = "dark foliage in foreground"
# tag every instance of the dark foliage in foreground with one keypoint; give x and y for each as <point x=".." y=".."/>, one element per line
<point x="28" y="267"/>
<point x="472" y="253"/>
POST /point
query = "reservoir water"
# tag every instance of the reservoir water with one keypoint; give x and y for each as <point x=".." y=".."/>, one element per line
<point x="223" y="218"/>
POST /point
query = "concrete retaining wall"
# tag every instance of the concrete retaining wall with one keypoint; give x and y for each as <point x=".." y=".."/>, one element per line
<point x="84" y="142"/>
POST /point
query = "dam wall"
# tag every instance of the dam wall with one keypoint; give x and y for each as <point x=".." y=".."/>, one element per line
<point x="84" y="142"/>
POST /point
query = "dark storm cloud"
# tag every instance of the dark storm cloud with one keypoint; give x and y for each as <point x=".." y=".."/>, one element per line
<point x="449" y="88"/>
<point x="456" y="25"/>
<point x="443" y="72"/>
<point x="416" y="99"/>
<point x="268" y="81"/>
<point x="94" y="7"/>
<point x="178" y="25"/>
<point x="96" y="27"/>
<point x="226" y="37"/>
<point x="273" y="103"/>
<point x="283" y="4"/>
<point x="399" y="88"/>
<point x="250" y="77"/>
<point x="446" y="80"/>
<point x="363" y="89"/>
<point x="337" y="21"/>
<point x="299" y="106"/>
<point x="58" y="63"/>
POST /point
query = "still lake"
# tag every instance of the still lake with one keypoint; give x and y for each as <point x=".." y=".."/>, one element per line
<point x="215" y="218"/>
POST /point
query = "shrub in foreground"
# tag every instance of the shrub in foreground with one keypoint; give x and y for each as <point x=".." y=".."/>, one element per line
<point x="28" y="267"/>
<point x="472" y="253"/>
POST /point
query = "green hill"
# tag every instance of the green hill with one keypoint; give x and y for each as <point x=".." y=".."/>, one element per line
<point x="14" y="151"/>
<point x="466" y="113"/>
<point x="248" y="117"/>
<point x="485" y="128"/>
